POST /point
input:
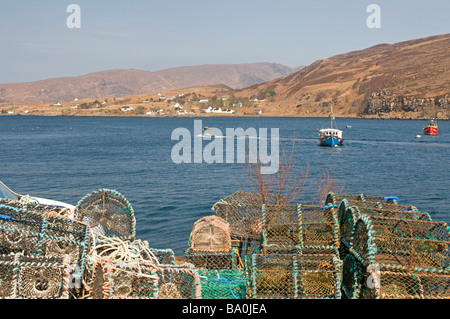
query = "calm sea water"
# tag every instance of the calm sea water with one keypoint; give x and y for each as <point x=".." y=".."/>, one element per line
<point x="65" y="158"/>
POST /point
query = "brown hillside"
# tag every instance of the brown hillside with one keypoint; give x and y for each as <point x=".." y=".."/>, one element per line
<point x="117" y="83"/>
<point x="409" y="79"/>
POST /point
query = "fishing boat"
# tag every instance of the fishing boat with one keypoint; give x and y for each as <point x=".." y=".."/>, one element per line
<point x="7" y="194"/>
<point x="207" y="132"/>
<point x="431" y="128"/>
<point x="331" y="136"/>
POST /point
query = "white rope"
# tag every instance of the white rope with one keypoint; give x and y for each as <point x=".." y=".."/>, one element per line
<point x="120" y="251"/>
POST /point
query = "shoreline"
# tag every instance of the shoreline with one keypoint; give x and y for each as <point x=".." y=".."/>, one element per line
<point x="224" y="116"/>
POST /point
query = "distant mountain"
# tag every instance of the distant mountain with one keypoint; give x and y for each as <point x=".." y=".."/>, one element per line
<point x="125" y="82"/>
<point x="410" y="79"/>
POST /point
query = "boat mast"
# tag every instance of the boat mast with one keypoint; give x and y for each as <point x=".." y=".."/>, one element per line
<point x="331" y="116"/>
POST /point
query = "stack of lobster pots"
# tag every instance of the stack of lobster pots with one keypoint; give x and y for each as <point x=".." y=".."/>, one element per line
<point x="390" y="251"/>
<point x="297" y="251"/>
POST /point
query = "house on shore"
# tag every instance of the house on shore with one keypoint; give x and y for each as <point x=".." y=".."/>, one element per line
<point x="206" y="109"/>
<point x="209" y="109"/>
<point x="127" y="108"/>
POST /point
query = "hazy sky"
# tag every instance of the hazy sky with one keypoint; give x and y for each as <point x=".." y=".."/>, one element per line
<point x="36" y="42"/>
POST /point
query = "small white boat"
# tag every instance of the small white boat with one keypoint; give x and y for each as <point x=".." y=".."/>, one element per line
<point x="6" y="193"/>
<point x="207" y="132"/>
<point x="418" y="136"/>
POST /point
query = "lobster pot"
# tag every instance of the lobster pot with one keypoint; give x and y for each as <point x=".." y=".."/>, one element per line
<point x="281" y="228"/>
<point x="223" y="284"/>
<point x="246" y="247"/>
<point x="126" y="252"/>
<point x="44" y="234"/>
<point x="213" y="260"/>
<point x="295" y="276"/>
<point x="320" y="227"/>
<point x="383" y="283"/>
<point x="210" y="234"/>
<point x="342" y="206"/>
<point x="122" y="281"/>
<point x="28" y="277"/>
<point x="242" y="210"/>
<point x="20" y="231"/>
<point x="32" y="205"/>
<point x="351" y="277"/>
<point x="347" y="225"/>
<point x="401" y="243"/>
<point x="130" y="281"/>
<point x="382" y="199"/>
<point x="164" y="256"/>
<point x="146" y="253"/>
<point x="403" y="214"/>
<point x="178" y="282"/>
<point x="387" y="206"/>
<point x="108" y="213"/>
<point x="335" y="198"/>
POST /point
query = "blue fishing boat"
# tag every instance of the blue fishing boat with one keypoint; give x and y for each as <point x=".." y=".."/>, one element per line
<point x="331" y="136"/>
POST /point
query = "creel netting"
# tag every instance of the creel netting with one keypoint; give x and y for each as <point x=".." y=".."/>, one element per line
<point x="108" y="213"/>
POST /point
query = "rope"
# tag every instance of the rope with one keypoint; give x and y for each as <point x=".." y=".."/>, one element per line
<point x="120" y="250"/>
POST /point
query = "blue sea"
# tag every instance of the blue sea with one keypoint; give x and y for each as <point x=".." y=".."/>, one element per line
<point x="66" y="158"/>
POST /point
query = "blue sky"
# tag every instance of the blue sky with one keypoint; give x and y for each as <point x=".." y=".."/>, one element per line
<point x="153" y="35"/>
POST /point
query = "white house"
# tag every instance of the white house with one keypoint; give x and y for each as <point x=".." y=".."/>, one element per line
<point x="230" y="111"/>
<point x="155" y="112"/>
<point x="206" y="109"/>
<point x="203" y="101"/>
<point x="237" y="104"/>
<point x="127" y="108"/>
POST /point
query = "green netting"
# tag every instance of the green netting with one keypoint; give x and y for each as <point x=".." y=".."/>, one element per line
<point x="223" y="284"/>
<point x="347" y="225"/>
<point x="351" y="277"/>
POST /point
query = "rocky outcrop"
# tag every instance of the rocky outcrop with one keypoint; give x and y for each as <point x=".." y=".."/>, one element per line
<point x="387" y="102"/>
